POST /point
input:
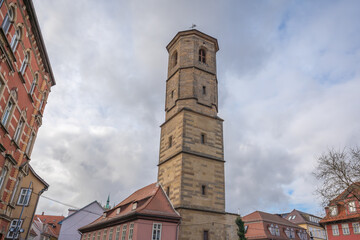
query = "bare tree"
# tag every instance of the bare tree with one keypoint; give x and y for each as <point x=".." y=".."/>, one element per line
<point x="338" y="171"/>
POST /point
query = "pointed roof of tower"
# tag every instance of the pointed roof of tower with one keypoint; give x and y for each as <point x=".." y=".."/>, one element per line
<point x="193" y="32"/>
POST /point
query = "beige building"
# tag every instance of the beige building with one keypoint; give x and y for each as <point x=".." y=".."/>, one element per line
<point x="309" y="222"/>
<point x="25" y="200"/>
<point x="191" y="162"/>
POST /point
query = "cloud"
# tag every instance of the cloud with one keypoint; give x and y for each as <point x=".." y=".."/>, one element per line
<point x="288" y="79"/>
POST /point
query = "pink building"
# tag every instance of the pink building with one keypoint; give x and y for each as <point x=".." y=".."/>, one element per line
<point x="145" y="214"/>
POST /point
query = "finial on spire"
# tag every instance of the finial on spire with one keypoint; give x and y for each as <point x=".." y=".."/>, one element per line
<point x="107" y="206"/>
<point x="193" y="26"/>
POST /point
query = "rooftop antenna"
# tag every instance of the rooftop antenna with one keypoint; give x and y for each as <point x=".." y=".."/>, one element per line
<point x="193" y="26"/>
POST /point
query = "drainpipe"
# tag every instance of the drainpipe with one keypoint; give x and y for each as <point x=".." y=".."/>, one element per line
<point x="17" y="230"/>
<point x="177" y="232"/>
<point x="32" y="218"/>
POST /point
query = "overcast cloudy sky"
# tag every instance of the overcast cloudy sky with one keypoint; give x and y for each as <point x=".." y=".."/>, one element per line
<point x="289" y="84"/>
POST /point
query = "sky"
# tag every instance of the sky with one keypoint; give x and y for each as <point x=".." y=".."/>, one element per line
<point x="289" y="80"/>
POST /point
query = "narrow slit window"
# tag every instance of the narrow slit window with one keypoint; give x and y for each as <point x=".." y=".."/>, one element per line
<point x="204" y="90"/>
<point x="170" y="141"/>
<point x="172" y="94"/>
<point x="203" y="138"/>
<point x="202" y="56"/>
<point x="203" y="189"/>
<point x="206" y="235"/>
<point x="168" y="191"/>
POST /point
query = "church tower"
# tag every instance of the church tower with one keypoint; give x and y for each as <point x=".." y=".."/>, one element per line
<point x="191" y="161"/>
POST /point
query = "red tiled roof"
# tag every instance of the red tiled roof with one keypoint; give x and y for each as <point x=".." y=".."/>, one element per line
<point x="50" y="219"/>
<point x="150" y="200"/>
<point x="340" y="202"/>
<point x="259" y="222"/>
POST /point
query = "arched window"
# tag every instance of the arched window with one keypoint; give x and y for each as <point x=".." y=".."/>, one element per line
<point x="15" y="39"/>
<point x="174" y="59"/>
<point x="25" y="63"/>
<point x="10" y="15"/>
<point x="7" y="112"/>
<point x="33" y="84"/>
<point x="202" y="55"/>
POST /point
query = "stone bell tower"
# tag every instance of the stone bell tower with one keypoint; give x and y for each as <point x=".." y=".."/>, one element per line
<point x="191" y="162"/>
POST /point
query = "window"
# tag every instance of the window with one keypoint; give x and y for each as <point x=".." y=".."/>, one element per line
<point x="203" y="189"/>
<point x="352" y="206"/>
<point x="204" y="90"/>
<point x="117" y="235"/>
<point x="33" y="84"/>
<point x="24" y="64"/>
<point x="272" y="229"/>
<point x="14" y="190"/>
<point x="333" y="211"/>
<point x="123" y="234"/>
<point x="24" y="196"/>
<point x="14" y="229"/>
<point x="356" y="227"/>
<point x="89" y="235"/>
<point x="134" y="206"/>
<point x="99" y="235"/>
<point x="174" y="59"/>
<point x="7" y="113"/>
<point x="7" y="20"/>
<point x="84" y="236"/>
<point x="335" y="230"/>
<point x="105" y="234"/>
<point x="277" y="230"/>
<point x="118" y="210"/>
<point x="15" y="39"/>
<point x="3" y="176"/>
<point x="156" y="233"/>
<point x="290" y="233"/>
<point x="172" y="94"/>
<point x="131" y="231"/>
<point x="94" y="235"/>
<point x="30" y="144"/>
<point x="111" y="233"/>
<point x="168" y="191"/>
<point x="345" y="229"/>
<point x="170" y="141"/>
<point x="202" y="56"/>
<point x="206" y="235"/>
<point x="203" y="138"/>
<point x="42" y="101"/>
<point x="18" y="130"/>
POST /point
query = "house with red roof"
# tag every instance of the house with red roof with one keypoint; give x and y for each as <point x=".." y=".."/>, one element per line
<point x="145" y="214"/>
<point x="46" y="226"/>
<point x="266" y="226"/>
<point x="342" y="220"/>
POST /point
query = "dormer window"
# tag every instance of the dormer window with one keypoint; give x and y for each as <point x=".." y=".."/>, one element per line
<point x="333" y="211"/>
<point x="134" y="206"/>
<point x="202" y="55"/>
<point x="352" y="206"/>
<point x="118" y="210"/>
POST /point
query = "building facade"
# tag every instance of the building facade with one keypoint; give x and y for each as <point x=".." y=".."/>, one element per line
<point x="48" y="226"/>
<point x="191" y="161"/>
<point x="342" y="220"/>
<point x="266" y="226"/>
<point x="309" y="222"/>
<point x="26" y="79"/>
<point x="26" y="197"/>
<point x="145" y="214"/>
<point x="77" y="219"/>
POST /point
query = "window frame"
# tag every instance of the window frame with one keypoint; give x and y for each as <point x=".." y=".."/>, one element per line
<point x="202" y="55"/>
<point x="19" y="130"/>
<point x="25" y="63"/>
<point x="156" y="231"/>
<point x="352" y="209"/>
<point x="335" y="230"/>
<point x="131" y="231"/>
<point x="123" y="232"/>
<point x="24" y="197"/>
<point x="117" y="233"/>
<point x="333" y="210"/>
<point x="30" y="143"/>
<point x="15" y="39"/>
<point x="3" y="176"/>
<point x="8" y="20"/>
<point x="8" y="112"/>
<point x="12" y="198"/>
<point x="345" y="229"/>
<point x="111" y="232"/>
<point x="356" y="225"/>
